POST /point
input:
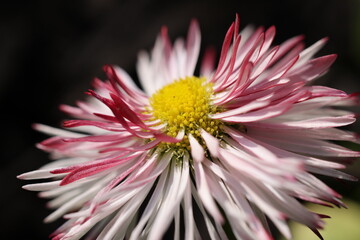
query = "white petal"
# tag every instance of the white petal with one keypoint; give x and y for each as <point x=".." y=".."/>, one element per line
<point x="120" y="222"/>
<point x="197" y="151"/>
<point x="205" y="193"/>
<point x="151" y="208"/>
<point x="193" y="47"/>
<point x="37" y="174"/>
<point x="212" y="143"/>
<point x="188" y="214"/>
<point x="145" y="73"/>
<point x="55" y="131"/>
<point x="174" y="193"/>
<point x="42" y="186"/>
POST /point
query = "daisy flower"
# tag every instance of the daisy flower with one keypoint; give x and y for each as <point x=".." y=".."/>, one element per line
<point x="211" y="156"/>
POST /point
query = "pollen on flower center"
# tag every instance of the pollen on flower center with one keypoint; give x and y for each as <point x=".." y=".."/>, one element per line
<point x="186" y="105"/>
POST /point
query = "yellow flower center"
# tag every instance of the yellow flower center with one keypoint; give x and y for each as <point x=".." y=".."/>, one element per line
<point x="185" y="105"/>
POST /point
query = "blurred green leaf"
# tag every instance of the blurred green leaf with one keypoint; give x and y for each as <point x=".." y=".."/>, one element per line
<point x="343" y="224"/>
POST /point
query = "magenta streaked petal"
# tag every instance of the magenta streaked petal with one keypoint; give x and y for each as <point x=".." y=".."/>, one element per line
<point x="72" y="111"/>
<point x="241" y="82"/>
<point x="76" y="201"/>
<point x="100" y="195"/>
<point x="103" y="125"/>
<point x="127" y="112"/>
<point x="308" y="132"/>
<point x="242" y="109"/>
<point x="282" y="68"/>
<point x="153" y="171"/>
<point x="269" y="112"/>
<point x="224" y="50"/>
<point x="322" y="91"/>
<point x="115" y="81"/>
<point x="309" y="52"/>
<point x="123" y="77"/>
<point x="122" y="157"/>
<point x="332" y="173"/>
<point x="263" y="63"/>
<point x="252" y="47"/>
<point x="137" y="148"/>
<point x="322" y="122"/>
<point x="287" y="46"/>
<point x="229" y="67"/>
<point x="99" y="138"/>
<point x="85" y="172"/>
<point x="313" y="68"/>
<point x="310" y="147"/>
<point x="269" y="37"/>
<point x="107" y="117"/>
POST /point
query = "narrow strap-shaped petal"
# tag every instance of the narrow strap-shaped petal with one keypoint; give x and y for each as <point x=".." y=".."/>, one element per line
<point x="151" y="207"/>
<point x="212" y="143"/>
<point x="313" y="69"/>
<point x="192" y="47"/>
<point x="252" y="146"/>
<point x="119" y="223"/>
<point x="242" y="109"/>
<point x="205" y="193"/>
<point x="208" y="63"/>
<point x="92" y="169"/>
<point x="188" y="214"/>
<point x="175" y="190"/>
<point x="267" y="112"/>
<point x="224" y="51"/>
<point x="197" y="151"/>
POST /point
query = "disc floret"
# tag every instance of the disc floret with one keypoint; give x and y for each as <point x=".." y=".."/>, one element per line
<point x="186" y="105"/>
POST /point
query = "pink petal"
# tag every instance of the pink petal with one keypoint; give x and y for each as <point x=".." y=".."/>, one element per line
<point x="224" y="50"/>
<point x="267" y="112"/>
<point x="313" y="68"/>
<point x="241" y="110"/>
<point x="269" y="37"/>
<point x="286" y="46"/>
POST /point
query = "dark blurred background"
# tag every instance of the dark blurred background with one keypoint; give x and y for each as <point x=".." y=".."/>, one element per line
<point x="51" y="50"/>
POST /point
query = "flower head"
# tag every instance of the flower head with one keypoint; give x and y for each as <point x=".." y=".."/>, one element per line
<point x="240" y="143"/>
